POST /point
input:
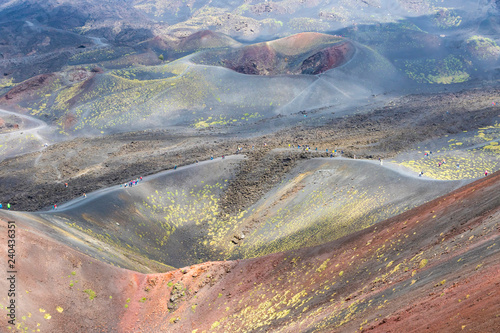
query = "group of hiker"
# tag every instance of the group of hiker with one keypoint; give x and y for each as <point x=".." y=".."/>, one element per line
<point x="133" y="182"/>
<point x="8" y="206"/>
<point x="427" y="155"/>
<point x="333" y="152"/>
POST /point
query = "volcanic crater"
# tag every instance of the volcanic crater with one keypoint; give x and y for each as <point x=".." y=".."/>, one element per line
<point x="304" y="53"/>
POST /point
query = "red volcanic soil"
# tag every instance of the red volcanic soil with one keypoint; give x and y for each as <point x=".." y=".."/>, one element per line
<point x="327" y="59"/>
<point x="28" y="87"/>
<point x="435" y="268"/>
<point x="258" y="59"/>
<point x="304" y="53"/>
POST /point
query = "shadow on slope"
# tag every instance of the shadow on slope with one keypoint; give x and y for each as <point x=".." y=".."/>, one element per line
<point x="175" y="217"/>
<point x="434" y="267"/>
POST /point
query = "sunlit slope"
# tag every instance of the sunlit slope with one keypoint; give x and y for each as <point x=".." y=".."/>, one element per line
<point x="304" y="53"/>
<point x="465" y="155"/>
<point x="432" y="268"/>
<point x="197" y="96"/>
<point x="325" y="199"/>
<point x="176" y="218"/>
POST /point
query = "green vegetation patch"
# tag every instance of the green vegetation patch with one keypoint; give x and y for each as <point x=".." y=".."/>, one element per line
<point x="441" y="71"/>
<point x="91" y="293"/>
<point x="446" y="18"/>
<point x="483" y="48"/>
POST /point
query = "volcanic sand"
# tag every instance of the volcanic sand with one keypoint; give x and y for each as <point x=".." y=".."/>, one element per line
<point x="434" y="267"/>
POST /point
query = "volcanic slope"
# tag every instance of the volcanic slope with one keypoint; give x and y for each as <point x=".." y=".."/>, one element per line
<point x="305" y="53"/>
<point x="181" y="217"/>
<point x="198" y="95"/>
<point x="435" y="267"/>
<point x="467" y="155"/>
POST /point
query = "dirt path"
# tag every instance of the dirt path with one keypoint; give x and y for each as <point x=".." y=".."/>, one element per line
<point x="90" y="164"/>
<point x="13" y="139"/>
<point x="99" y="193"/>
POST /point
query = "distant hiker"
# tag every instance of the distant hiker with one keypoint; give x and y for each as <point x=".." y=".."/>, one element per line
<point x="430" y="153"/>
<point x="327" y="150"/>
<point x="8" y="206"/>
<point x="223" y="157"/>
<point x="55" y="206"/>
<point x="458" y="165"/>
<point x="298" y="146"/>
<point x="175" y="167"/>
<point x="486" y="173"/>
<point x="341" y="152"/>
<point x="439" y="164"/>
<point x="289" y="145"/>
<point x="211" y="158"/>
<point x="254" y="146"/>
<point x="316" y="148"/>
<point x="1" y="206"/>
<point x="196" y="161"/>
<point x="444" y="161"/>
<point x="140" y="177"/>
<point x="84" y="195"/>
<point x="420" y="173"/>
<point x="65" y="184"/>
<point x="381" y="161"/>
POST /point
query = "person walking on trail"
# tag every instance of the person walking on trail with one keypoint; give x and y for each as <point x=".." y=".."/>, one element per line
<point x="8" y="206"/>
<point x="1" y="206"/>
<point x="486" y="172"/>
<point x="175" y="167"/>
<point x="223" y="157"/>
<point x="211" y="158"/>
<point x="65" y="184"/>
<point x="84" y="195"/>
<point x="55" y="206"/>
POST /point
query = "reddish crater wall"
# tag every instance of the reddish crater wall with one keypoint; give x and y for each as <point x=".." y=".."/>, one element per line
<point x="327" y="59"/>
